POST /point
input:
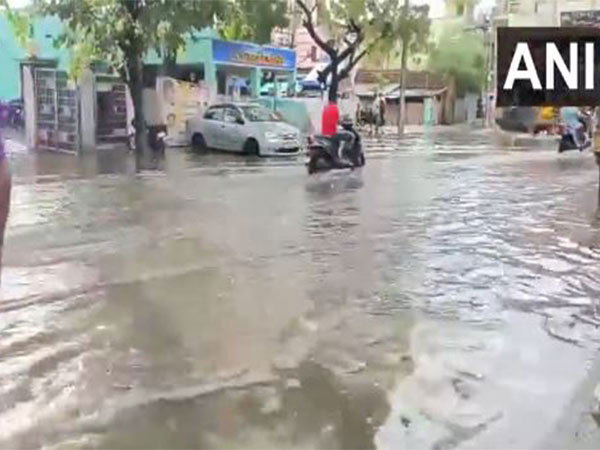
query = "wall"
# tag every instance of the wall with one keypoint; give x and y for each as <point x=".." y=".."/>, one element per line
<point x="414" y="113"/>
<point x="305" y="113"/>
<point x="465" y="109"/>
<point x="45" y="30"/>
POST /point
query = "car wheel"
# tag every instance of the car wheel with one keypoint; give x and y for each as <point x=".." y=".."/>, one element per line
<point x="198" y="143"/>
<point x="312" y="165"/>
<point x="251" y="147"/>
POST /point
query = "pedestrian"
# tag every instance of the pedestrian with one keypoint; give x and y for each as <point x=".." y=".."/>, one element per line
<point x="5" y="188"/>
<point x="374" y="114"/>
<point x="381" y="110"/>
<point x="378" y="109"/>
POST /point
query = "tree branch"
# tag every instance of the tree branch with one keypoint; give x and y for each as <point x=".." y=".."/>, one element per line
<point x="348" y="52"/>
<point x="310" y="27"/>
<point x="353" y="26"/>
<point x="355" y="60"/>
<point x="352" y="46"/>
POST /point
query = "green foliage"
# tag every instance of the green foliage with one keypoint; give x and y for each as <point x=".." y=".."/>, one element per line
<point x="252" y="20"/>
<point x="177" y="20"/>
<point x="114" y="30"/>
<point x="398" y="24"/>
<point x="22" y="27"/>
<point x="459" y="7"/>
<point x="460" y="53"/>
<point x="385" y="24"/>
<point x="234" y="26"/>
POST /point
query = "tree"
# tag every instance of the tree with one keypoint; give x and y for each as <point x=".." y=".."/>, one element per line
<point x="121" y="32"/>
<point x="22" y="27"/>
<point x="463" y="8"/>
<point x="410" y="31"/>
<point x="356" y="28"/>
<point x="412" y="27"/>
<point x="178" y="20"/>
<point x="234" y="26"/>
<point x="460" y="54"/>
<point x="253" y="20"/>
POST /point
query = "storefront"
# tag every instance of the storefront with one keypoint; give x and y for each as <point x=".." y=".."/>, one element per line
<point x="237" y="69"/>
<point x="211" y="70"/>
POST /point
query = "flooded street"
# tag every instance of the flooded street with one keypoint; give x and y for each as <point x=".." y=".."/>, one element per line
<point x="447" y="295"/>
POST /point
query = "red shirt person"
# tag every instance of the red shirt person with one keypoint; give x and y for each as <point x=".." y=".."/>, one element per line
<point x="330" y="119"/>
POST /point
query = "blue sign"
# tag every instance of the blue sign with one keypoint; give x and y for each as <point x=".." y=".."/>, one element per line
<point x="252" y="55"/>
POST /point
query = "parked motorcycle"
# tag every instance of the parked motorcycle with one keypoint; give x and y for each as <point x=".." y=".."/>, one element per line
<point x="156" y="140"/>
<point x="4" y="114"/>
<point x="16" y="117"/>
<point x="342" y="151"/>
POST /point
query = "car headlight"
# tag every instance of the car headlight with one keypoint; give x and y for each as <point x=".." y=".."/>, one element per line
<point x="271" y="137"/>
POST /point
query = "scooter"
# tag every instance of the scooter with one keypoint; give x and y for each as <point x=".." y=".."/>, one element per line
<point x="323" y="152"/>
<point x="156" y="136"/>
<point x="568" y="141"/>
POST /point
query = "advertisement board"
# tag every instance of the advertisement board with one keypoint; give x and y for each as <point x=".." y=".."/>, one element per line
<point x="252" y="55"/>
<point x="180" y="101"/>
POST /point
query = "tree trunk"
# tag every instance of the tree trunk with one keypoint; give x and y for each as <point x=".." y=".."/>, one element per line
<point x="136" y="88"/>
<point x="597" y="155"/>
<point x="402" y="111"/>
<point x="333" y="87"/>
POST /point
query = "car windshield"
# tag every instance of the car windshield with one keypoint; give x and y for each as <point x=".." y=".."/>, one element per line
<point x="259" y="114"/>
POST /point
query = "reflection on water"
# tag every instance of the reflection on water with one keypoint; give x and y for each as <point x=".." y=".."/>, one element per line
<point x="234" y="302"/>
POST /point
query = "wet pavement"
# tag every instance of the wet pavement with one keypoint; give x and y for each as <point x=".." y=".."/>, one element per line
<point x="444" y="296"/>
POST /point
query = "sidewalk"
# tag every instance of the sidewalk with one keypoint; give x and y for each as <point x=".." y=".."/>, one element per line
<point x="392" y="130"/>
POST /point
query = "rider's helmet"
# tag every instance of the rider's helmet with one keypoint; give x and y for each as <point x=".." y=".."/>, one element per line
<point x="347" y="122"/>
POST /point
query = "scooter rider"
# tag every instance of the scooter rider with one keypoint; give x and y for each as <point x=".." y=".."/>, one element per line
<point x="347" y="136"/>
<point x="572" y="119"/>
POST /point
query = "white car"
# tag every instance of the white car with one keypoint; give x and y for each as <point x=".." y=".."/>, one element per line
<point x="245" y="128"/>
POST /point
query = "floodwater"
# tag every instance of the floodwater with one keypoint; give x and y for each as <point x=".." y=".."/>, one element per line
<point x="446" y="295"/>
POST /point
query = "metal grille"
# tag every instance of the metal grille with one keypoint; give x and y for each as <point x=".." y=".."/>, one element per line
<point x="57" y="112"/>
<point x="111" y="112"/>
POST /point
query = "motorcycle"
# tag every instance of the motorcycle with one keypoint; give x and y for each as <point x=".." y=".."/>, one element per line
<point x="157" y="135"/>
<point x="15" y="114"/>
<point x="323" y="152"/>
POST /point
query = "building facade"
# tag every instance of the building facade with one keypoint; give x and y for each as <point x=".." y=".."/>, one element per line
<point x="545" y="13"/>
<point x="295" y="36"/>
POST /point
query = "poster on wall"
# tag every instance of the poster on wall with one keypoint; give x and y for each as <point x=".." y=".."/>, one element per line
<point x="180" y="101"/>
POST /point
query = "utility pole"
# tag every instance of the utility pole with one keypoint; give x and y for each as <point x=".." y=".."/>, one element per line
<point x="486" y="74"/>
<point x="402" y="112"/>
<point x="293" y="25"/>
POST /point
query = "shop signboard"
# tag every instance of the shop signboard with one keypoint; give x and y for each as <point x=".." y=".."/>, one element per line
<point x="251" y="55"/>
